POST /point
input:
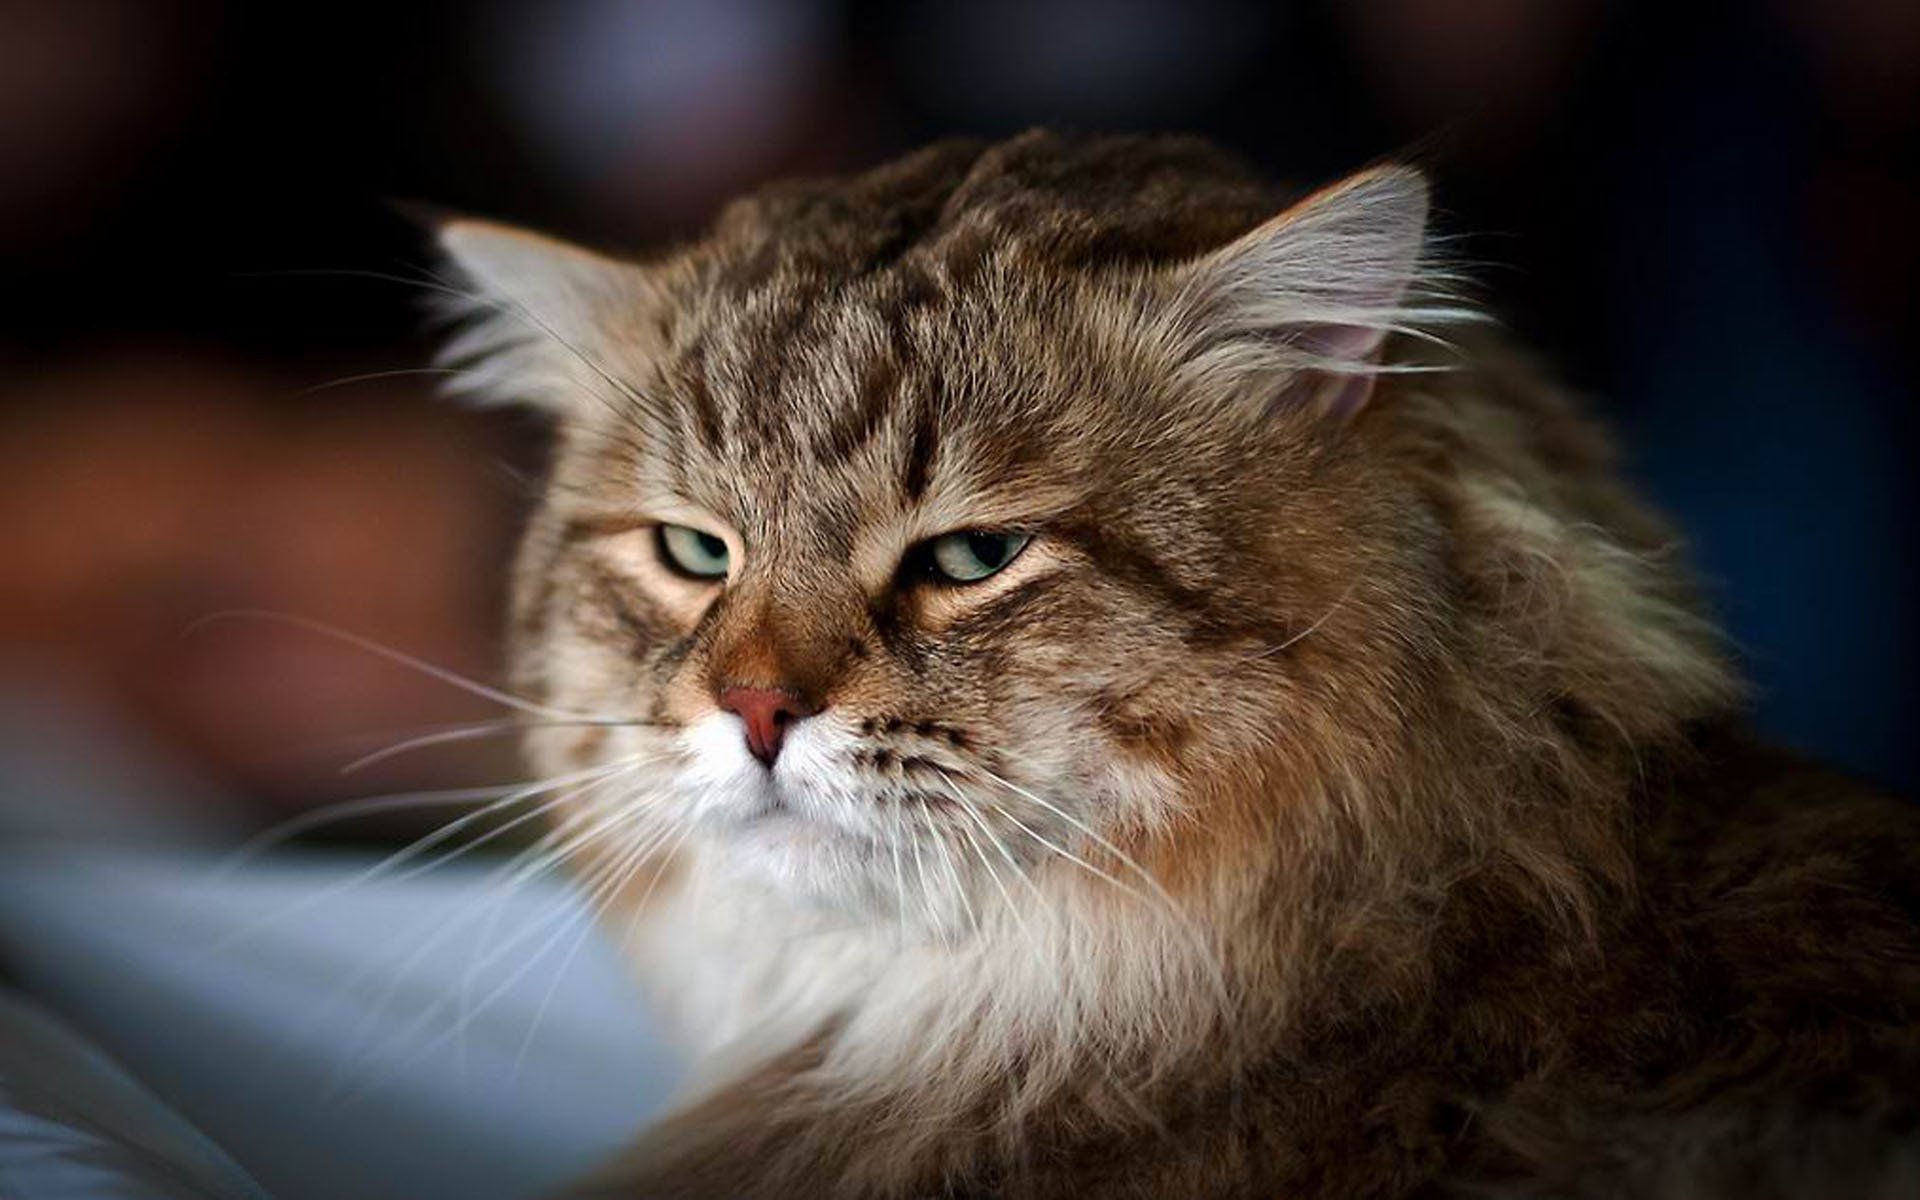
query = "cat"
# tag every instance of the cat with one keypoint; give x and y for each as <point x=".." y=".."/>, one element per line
<point x="1110" y="678"/>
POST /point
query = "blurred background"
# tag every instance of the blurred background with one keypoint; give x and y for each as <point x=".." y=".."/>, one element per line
<point x="1707" y="215"/>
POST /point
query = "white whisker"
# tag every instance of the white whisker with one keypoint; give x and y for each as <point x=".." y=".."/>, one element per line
<point x="899" y="875"/>
<point x="401" y="658"/>
<point x="346" y="810"/>
<point x="631" y="862"/>
<point x="402" y="972"/>
<point x="467" y="1011"/>
<point x="371" y="376"/>
<point x="1006" y="897"/>
<point x="471" y="730"/>
<point x="1173" y="908"/>
<point x="959" y="884"/>
<point x="1322" y="619"/>
<point x="412" y="851"/>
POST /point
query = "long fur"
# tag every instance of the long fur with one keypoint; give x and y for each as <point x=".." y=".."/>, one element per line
<point x="1342" y="795"/>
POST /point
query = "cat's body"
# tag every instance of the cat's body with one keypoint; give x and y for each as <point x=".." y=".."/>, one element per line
<point x="1131" y="712"/>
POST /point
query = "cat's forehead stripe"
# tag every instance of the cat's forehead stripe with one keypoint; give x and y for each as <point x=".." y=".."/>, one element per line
<point x="803" y="378"/>
<point x="707" y="422"/>
<point x="923" y="450"/>
<point x="854" y="427"/>
<point x="778" y="344"/>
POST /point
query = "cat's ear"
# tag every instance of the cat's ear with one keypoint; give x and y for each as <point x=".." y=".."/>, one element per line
<point x="1298" y="308"/>
<point x="544" y="322"/>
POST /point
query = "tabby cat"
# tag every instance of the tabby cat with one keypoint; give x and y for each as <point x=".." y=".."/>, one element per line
<point x="1105" y="678"/>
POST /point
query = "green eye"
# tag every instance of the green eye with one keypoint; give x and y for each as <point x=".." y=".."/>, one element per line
<point x="972" y="555"/>
<point x="692" y="553"/>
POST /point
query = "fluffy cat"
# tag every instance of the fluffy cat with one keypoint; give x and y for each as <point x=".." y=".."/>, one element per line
<point x="1116" y="683"/>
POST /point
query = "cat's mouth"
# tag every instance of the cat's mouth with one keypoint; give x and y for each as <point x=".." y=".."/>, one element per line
<point x="848" y="808"/>
<point x="827" y="823"/>
<point x="778" y="824"/>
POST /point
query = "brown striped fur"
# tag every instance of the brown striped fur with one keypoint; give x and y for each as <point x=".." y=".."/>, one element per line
<point x="1341" y="796"/>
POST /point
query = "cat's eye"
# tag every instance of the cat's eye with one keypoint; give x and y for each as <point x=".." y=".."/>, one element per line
<point x="691" y="552"/>
<point x="973" y="554"/>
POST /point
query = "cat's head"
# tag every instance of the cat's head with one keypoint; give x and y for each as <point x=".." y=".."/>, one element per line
<point x="998" y="514"/>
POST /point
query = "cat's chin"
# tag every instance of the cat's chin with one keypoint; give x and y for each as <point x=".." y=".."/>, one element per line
<point x="798" y="855"/>
<point x="782" y="834"/>
<point x="820" y="865"/>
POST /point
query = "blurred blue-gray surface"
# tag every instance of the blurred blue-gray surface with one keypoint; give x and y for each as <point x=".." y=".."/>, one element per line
<point x="341" y="1034"/>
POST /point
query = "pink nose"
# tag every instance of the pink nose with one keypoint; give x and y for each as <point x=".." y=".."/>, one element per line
<point x="767" y="712"/>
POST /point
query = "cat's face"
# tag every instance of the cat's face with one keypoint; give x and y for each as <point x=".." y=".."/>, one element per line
<point x="917" y="580"/>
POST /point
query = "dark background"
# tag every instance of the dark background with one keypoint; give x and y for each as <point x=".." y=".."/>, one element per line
<point x="1707" y="216"/>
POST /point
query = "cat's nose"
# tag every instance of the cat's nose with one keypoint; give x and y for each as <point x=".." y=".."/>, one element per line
<point x="766" y="712"/>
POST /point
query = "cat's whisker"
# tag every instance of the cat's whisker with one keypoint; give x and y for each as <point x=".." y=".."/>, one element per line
<point x="1159" y="893"/>
<point x="600" y="884"/>
<point x="469" y="1010"/>
<point x="467" y="733"/>
<point x="634" y="860"/>
<point x="574" y="795"/>
<point x="550" y="852"/>
<point x="569" y="845"/>
<point x="1026" y="932"/>
<point x="375" y="376"/>
<point x="374" y="743"/>
<point x="402" y="972"/>
<point x="899" y="876"/>
<point x="686" y="830"/>
<point x="284" y="831"/>
<point x="925" y="889"/>
<point x="474" y="730"/>
<point x="969" y="810"/>
<point x="410" y="852"/>
<point x="402" y="658"/>
<point x="1062" y="852"/>
<point x="532" y="815"/>
<point x="959" y="883"/>
<point x="506" y="881"/>
<point x="666" y="858"/>
<point x="365" y="1050"/>
<point x="1084" y="829"/>
<point x="1309" y="631"/>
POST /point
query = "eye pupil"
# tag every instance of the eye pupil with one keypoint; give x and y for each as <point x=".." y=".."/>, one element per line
<point x="711" y="545"/>
<point x="989" y="548"/>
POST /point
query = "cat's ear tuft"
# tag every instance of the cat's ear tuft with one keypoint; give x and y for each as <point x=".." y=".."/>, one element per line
<point x="538" y="315"/>
<point x="1301" y="305"/>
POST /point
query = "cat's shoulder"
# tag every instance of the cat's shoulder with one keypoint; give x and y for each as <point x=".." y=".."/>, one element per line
<point x="1751" y="1033"/>
<point x="1789" y="895"/>
<point x="1760" y="845"/>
